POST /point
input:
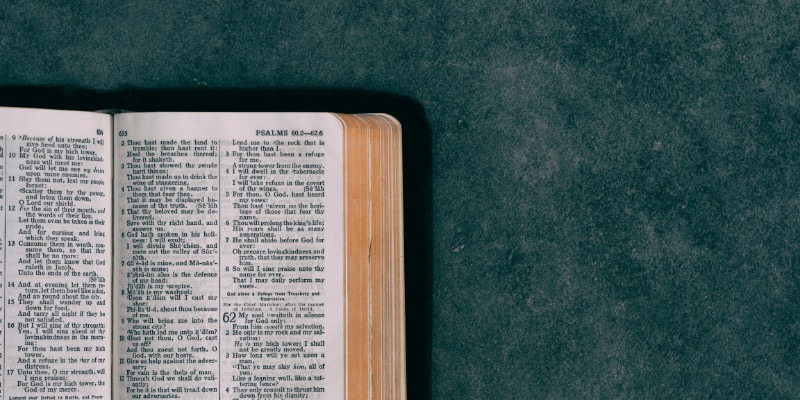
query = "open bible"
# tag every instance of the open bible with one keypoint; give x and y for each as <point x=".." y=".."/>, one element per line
<point x="201" y="256"/>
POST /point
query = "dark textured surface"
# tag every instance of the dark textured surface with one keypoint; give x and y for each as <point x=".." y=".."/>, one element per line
<point x="616" y="199"/>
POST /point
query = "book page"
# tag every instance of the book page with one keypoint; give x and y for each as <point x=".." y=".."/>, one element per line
<point x="55" y="197"/>
<point x="229" y="260"/>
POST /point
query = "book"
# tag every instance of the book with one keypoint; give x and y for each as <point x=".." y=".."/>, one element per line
<point x="179" y="255"/>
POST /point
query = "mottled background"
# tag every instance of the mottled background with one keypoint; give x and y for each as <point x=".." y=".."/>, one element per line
<point x="615" y="200"/>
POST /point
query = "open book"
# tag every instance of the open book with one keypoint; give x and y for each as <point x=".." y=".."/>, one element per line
<point x="201" y="256"/>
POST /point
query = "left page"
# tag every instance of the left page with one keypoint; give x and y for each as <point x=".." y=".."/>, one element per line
<point x="55" y="252"/>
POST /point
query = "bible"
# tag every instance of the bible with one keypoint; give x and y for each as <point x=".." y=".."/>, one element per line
<point x="180" y="255"/>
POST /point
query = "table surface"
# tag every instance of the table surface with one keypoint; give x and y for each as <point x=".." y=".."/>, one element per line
<point x="615" y="201"/>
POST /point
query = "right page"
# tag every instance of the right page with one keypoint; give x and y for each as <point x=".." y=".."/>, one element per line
<point x="229" y="256"/>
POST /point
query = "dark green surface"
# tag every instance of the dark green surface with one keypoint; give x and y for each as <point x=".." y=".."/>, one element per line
<point x="616" y="205"/>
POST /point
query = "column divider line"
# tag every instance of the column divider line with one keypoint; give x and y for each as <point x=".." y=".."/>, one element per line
<point x="219" y="265"/>
<point x="5" y="259"/>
